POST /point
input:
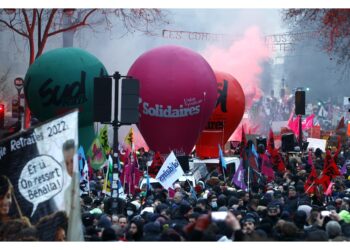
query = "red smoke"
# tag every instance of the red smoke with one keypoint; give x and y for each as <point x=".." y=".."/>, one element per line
<point x="242" y="59"/>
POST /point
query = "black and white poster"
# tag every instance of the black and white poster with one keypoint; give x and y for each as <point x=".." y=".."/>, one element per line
<point x="39" y="170"/>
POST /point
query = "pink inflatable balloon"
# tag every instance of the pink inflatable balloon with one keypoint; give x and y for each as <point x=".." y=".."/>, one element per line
<point x="178" y="95"/>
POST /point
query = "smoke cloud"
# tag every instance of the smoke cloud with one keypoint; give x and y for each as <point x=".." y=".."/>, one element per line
<point x="242" y="60"/>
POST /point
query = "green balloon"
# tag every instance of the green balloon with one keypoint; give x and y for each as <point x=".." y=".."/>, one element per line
<point x="61" y="80"/>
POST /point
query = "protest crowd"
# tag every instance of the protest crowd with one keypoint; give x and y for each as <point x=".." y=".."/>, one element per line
<point x="303" y="195"/>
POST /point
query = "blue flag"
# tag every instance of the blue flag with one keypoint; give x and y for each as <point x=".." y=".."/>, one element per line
<point x="84" y="172"/>
<point x="221" y="158"/>
<point x="148" y="183"/>
<point x="254" y="152"/>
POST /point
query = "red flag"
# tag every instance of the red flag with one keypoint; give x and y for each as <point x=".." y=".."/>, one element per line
<point x="243" y="142"/>
<point x="271" y="144"/>
<point x="125" y="158"/>
<point x="311" y="182"/>
<point x="157" y="163"/>
<point x="341" y="124"/>
<point x="324" y="181"/>
<point x="330" y="170"/>
<point x="305" y="125"/>
<point x="293" y="124"/>
<point x="309" y="122"/>
<point x="132" y="174"/>
<point x="291" y="120"/>
<point x="266" y="168"/>
<point x="276" y="157"/>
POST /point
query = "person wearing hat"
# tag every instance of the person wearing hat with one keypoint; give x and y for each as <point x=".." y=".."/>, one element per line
<point x="177" y="187"/>
<point x="270" y="219"/>
<point x="248" y="224"/>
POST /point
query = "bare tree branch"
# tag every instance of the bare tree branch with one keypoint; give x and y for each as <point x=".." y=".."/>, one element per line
<point x="4" y="78"/>
<point x="13" y="28"/>
<point x="26" y="21"/>
<point x="333" y="26"/>
<point x="82" y="23"/>
<point x="46" y="33"/>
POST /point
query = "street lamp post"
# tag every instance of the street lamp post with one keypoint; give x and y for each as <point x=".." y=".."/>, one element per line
<point x="18" y="82"/>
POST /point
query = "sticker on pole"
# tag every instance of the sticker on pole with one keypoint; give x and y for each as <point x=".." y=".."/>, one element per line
<point x="41" y="179"/>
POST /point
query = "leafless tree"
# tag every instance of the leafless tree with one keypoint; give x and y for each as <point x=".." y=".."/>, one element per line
<point x="37" y="26"/>
<point x="3" y="78"/>
<point x="332" y="25"/>
<point x="4" y="93"/>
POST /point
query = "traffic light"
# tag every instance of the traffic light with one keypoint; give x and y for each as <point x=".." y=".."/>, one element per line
<point x="2" y="116"/>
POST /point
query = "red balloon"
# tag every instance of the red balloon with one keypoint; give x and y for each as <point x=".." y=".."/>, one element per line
<point x="225" y="117"/>
<point x="178" y="94"/>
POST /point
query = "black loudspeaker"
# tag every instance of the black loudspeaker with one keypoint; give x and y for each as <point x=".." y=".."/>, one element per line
<point x="183" y="160"/>
<point x="261" y="140"/>
<point x="288" y="142"/>
<point x="102" y="107"/>
<point x="300" y="102"/>
<point x="129" y="110"/>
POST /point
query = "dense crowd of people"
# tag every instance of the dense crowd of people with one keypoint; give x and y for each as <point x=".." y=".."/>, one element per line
<point x="215" y="210"/>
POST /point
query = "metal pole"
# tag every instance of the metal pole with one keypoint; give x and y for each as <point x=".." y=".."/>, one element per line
<point x="223" y="171"/>
<point x="116" y="77"/>
<point x="300" y="134"/>
<point x="248" y="168"/>
<point x="19" y="104"/>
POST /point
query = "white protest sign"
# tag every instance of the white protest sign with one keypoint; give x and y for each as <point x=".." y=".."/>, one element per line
<point x="317" y="143"/>
<point x="170" y="171"/>
<point x="40" y="180"/>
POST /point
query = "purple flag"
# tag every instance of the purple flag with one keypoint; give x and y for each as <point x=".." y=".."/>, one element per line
<point x="238" y="177"/>
<point x="343" y="170"/>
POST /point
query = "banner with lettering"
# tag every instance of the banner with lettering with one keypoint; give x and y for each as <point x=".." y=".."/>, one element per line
<point x="170" y="171"/>
<point x="41" y="164"/>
